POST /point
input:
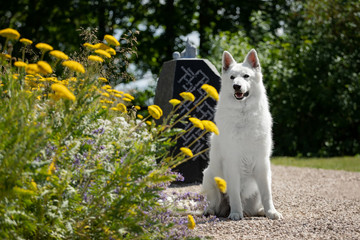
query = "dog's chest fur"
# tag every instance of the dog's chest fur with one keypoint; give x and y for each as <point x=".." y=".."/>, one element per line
<point x="245" y="129"/>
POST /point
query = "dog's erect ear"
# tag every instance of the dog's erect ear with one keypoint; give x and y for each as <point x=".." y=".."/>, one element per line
<point x="252" y="59"/>
<point x="227" y="60"/>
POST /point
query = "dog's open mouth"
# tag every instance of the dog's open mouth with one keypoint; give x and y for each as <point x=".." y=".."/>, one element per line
<point x="239" y="95"/>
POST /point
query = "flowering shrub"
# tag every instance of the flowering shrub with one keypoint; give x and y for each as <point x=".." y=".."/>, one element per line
<point x="76" y="160"/>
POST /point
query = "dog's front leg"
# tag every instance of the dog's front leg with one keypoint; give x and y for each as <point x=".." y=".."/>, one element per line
<point x="263" y="179"/>
<point x="232" y="178"/>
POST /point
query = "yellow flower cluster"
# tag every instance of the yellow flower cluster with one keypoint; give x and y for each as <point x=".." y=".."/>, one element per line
<point x="187" y="96"/>
<point x="211" y="91"/>
<point x="95" y="58"/>
<point x="197" y="122"/>
<point x="44" y="67"/>
<point x="59" y="55"/>
<point x="102" y="49"/>
<point x="155" y="111"/>
<point x="26" y="41"/>
<point x="112" y="96"/>
<point x="62" y="91"/>
<point x="111" y="40"/>
<point x="221" y="184"/>
<point x="186" y="151"/>
<point x="191" y="222"/>
<point x="210" y="126"/>
<point x="44" y="47"/>
<point x="74" y="66"/>
<point x="174" y="102"/>
<point x="10" y="33"/>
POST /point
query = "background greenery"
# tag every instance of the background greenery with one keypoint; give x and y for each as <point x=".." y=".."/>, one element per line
<point x="351" y="164"/>
<point x="308" y="49"/>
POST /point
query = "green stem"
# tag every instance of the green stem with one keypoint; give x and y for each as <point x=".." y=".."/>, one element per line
<point x="183" y="133"/>
<point x="137" y="126"/>
<point x="186" y="114"/>
<point x="177" y="163"/>
<point x="197" y="139"/>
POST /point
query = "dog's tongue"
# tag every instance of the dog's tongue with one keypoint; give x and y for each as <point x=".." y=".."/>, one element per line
<point x="239" y="94"/>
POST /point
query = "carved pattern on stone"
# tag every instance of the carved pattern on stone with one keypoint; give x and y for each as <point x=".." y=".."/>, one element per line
<point x="191" y="82"/>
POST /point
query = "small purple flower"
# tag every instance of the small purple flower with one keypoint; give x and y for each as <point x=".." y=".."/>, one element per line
<point x="76" y="160"/>
<point x="99" y="131"/>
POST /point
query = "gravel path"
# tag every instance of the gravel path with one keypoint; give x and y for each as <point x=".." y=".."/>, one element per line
<point x="315" y="203"/>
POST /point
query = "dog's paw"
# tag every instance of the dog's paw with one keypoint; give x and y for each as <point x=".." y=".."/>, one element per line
<point x="236" y="216"/>
<point x="208" y="212"/>
<point x="274" y="215"/>
<point x="261" y="212"/>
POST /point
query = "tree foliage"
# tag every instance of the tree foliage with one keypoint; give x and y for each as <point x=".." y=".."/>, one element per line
<point x="162" y="24"/>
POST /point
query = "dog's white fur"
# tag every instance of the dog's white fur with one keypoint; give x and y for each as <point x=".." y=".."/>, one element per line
<point x="241" y="152"/>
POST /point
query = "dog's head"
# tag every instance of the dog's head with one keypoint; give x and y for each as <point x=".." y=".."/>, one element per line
<point x="240" y="77"/>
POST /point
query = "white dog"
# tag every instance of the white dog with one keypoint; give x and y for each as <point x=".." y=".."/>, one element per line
<point x="241" y="152"/>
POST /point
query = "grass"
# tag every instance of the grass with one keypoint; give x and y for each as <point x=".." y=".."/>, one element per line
<point x="351" y="164"/>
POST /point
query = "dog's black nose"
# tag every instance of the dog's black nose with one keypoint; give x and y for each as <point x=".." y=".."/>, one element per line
<point x="236" y="87"/>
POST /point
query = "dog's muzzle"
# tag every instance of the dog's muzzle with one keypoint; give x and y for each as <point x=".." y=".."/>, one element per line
<point x="238" y="94"/>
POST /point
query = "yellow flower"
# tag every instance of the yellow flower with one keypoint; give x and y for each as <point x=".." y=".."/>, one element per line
<point x="137" y="107"/>
<point x="89" y="45"/>
<point x="210" y="126"/>
<point x="20" y="64"/>
<point x="103" y="79"/>
<point x="127" y="99"/>
<point x="105" y="94"/>
<point x="95" y="58"/>
<point x="111" y="51"/>
<point x="148" y="123"/>
<point x="26" y="41"/>
<point x="75" y="66"/>
<point x="32" y="69"/>
<point x="221" y="184"/>
<point x="197" y="123"/>
<point x="174" y="102"/>
<point x="140" y="116"/>
<point x="128" y="96"/>
<point x="103" y="53"/>
<point x="44" y="47"/>
<point x="211" y="91"/>
<point x="111" y="40"/>
<point x="101" y="46"/>
<point x="114" y="109"/>
<point x="10" y="33"/>
<point x="155" y="111"/>
<point x="62" y="91"/>
<point x="59" y="55"/>
<point x="106" y="87"/>
<point x="186" y="151"/>
<point x="7" y="56"/>
<point x="191" y="222"/>
<point x="122" y="107"/>
<point x="104" y="107"/>
<point x="22" y="191"/>
<point x="33" y="184"/>
<point x="44" y="67"/>
<point x="51" y="168"/>
<point x="187" y="96"/>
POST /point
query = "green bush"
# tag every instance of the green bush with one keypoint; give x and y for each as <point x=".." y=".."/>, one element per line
<point x="76" y="159"/>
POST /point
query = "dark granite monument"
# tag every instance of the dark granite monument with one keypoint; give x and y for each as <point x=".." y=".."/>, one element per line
<point x="187" y="74"/>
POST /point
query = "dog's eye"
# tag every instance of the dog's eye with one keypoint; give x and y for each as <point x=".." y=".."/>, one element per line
<point x="246" y="76"/>
<point x="232" y="77"/>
